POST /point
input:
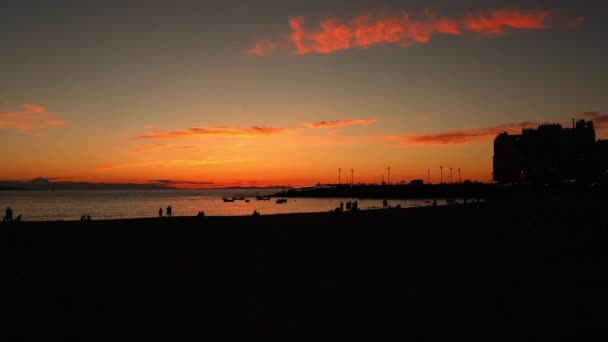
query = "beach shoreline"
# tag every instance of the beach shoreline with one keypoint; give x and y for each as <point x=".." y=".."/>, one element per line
<point x="500" y="271"/>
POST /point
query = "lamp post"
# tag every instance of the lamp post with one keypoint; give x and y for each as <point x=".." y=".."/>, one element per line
<point x="389" y="176"/>
<point x="459" y="179"/>
<point x="352" y="171"/>
<point x="451" y="178"/>
<point x="339" y="174"/>
<point x="441" y="177"/>
<point x="428" y="176"/>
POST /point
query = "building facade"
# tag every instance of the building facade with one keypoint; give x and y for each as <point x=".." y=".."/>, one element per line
<point x="550" y="154"/>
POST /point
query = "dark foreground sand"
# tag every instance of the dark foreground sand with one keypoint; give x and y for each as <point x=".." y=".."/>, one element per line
<point x="507" y="271"/>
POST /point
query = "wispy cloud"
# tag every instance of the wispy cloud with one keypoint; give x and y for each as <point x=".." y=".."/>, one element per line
<point x="496" y="21"/>
<point x="372" y="28"/>
<point x="163" y="147"/>
<point x="423" y="118"/>
<point x="339" y="123"/>
<point x="459" y="136"/>
<point x="229" y="131"/>
<point x="192" y="162"/>
<point x="576" y="23"/>
<point x="30" y="119"/>
<point x="171" y="182"/>
<point x="262" y="48"/>
<point x="189" y="184"/>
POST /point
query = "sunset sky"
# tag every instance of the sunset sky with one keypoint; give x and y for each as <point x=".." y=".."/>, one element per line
<point x="215" y="93"/>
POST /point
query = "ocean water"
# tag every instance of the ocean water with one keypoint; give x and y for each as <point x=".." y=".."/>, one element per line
<point x="117" y="204"/>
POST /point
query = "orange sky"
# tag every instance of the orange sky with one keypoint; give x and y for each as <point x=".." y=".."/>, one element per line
<point x="226" y="96"/>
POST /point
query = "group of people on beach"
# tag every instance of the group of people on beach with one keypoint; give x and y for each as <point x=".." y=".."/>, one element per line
<point x="351" y="206"/>
<point x="85" y="217"/>
<point x="386" y="205"/>
<point x="8" y="217"/>
<point x="169" y="211"/>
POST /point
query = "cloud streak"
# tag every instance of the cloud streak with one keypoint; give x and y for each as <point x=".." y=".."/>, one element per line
<point x="372" y="28"/>
<point x="496" y="21"/>
<point x="225" y="131"/>
<point x="458" y="136"/>
<point x="192" y="162"/>
<point x="339" y="123"/>
<point x="234" y="131"/>
<point x="30" y="119"/>
<point x="262" y="48"/>
<point x="163" y="147"/>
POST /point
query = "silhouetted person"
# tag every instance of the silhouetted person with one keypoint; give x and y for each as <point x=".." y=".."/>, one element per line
<point x="355" y="205"/>
<point x="384" y="204"/>
<point x="341" y="206"/>
<point x="18" y="218"/>
<point x="82" y="218"/>
<point x="168" y="211"/>
<point x="160" y="212"/>
<point x="88" y="217"/>
<point x="348" y="205"/>
<point x="201" y="214"/>
<point x="434" y="203"/>
<point x="9" y="214"/>
<point x="255" y="213"/>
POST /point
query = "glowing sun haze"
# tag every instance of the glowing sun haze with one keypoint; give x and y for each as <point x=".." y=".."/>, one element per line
<point x="210" y="93"/>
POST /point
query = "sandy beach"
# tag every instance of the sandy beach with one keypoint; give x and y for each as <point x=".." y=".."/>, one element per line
<point x="527" y="269"/>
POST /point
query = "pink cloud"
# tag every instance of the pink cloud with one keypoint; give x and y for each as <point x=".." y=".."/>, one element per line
<point x="373" y="28"/>
<point x="262" y="48"/>
<point x="228" y="131"/>
<point x="163" y="147"/>
<point x="339" y="123"/>
<point x="576" y="23"/>
<point x="30" y="119"/>
<point x="495" y="21"/>
<point x="458" y="136"/>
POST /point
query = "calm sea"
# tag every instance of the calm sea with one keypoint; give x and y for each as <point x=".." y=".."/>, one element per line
<point x="115" y="204"/>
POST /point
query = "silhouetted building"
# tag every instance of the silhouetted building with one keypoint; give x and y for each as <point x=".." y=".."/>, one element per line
<point x="416" y="182"/>
<point x="550" y="154"/>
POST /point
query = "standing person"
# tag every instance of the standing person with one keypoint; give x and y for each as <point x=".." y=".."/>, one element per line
<point x="168" y="211"/>
<point x="9" y="214"/>
<point x="160" y="212"/>
<point x="341" y="206"/>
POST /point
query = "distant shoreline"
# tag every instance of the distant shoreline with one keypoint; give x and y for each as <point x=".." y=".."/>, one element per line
<point x="492" y="206"/>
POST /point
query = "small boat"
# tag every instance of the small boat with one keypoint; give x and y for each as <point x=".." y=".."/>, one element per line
<point x="226" y="199"/>
<point x="238" y="197"/>
<point x="281" y="200"/>
<point x="262" y="198"/>
<point x="247" y="201"/>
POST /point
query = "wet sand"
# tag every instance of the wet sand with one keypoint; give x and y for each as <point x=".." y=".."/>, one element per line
<point x="506" y="270"/>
